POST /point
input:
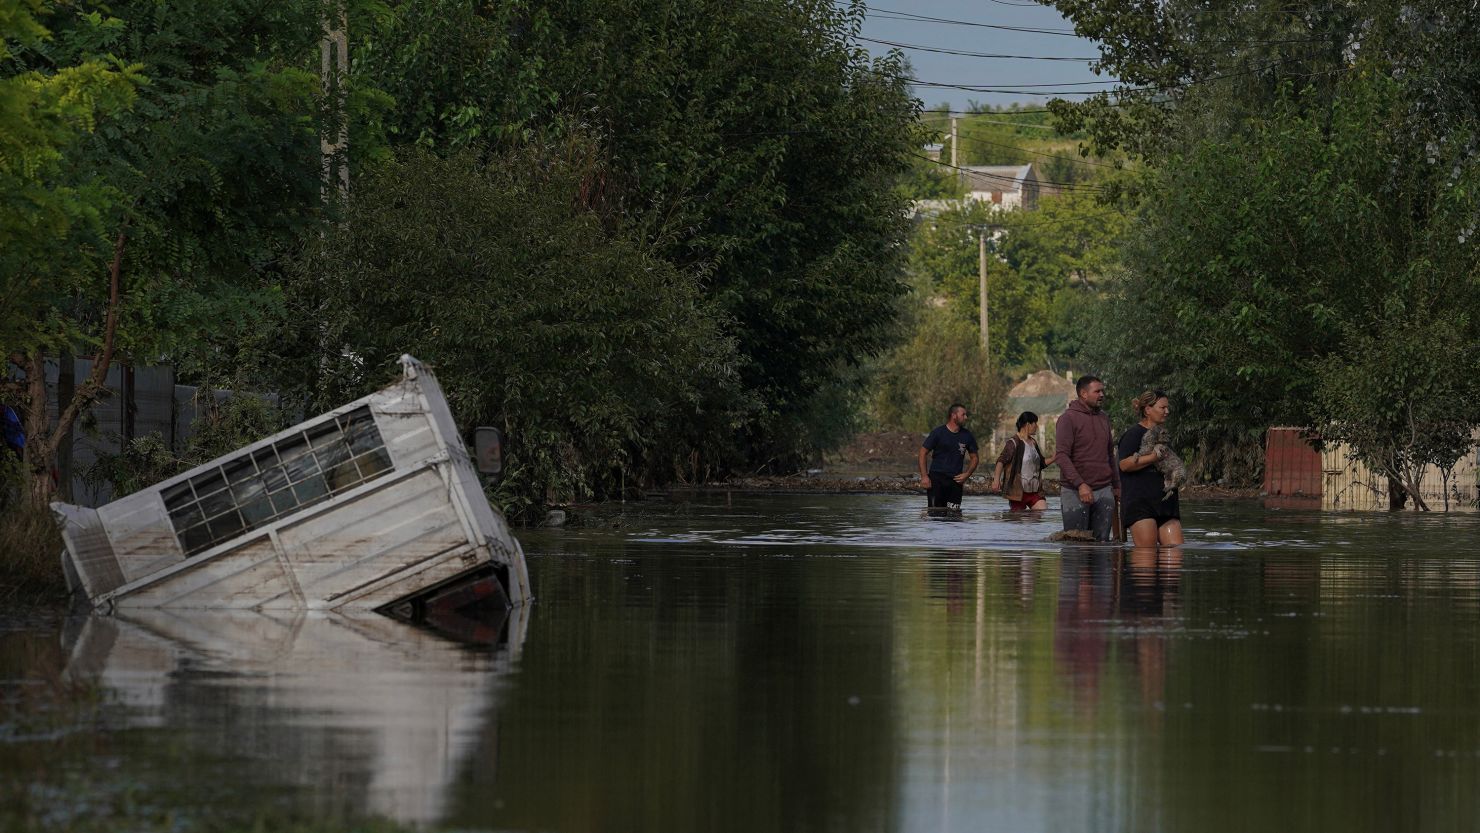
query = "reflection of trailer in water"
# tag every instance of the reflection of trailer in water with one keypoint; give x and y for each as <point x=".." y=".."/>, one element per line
<point x="374" y="505"/>
<point x="356" y="714"/>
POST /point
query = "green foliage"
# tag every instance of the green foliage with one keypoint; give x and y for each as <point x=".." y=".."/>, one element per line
<point x="142" y="462"/>
<point x="541" y="316"/>
<point x="48" y="211"/>
<point x="1395" y="400"/>
<point x="926" y="180"/>
<point x="205" y="175"/>
<point x="750" y="142"/>
<point x="1044" y="269"/>
<point x="1276" y="268"/>
<point x="941" y="363"/>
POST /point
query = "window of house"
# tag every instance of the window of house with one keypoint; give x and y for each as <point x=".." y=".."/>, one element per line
<point x="254" y="489"/>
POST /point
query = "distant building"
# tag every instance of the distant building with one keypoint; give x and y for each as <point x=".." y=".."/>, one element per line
<point x="1007" y="187"/>
<point x="1046" y="394"/>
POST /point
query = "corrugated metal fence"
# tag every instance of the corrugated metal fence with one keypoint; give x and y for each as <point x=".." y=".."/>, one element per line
<point x="139" y="401"/>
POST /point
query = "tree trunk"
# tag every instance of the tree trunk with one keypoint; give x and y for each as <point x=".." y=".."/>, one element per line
<point x="43" y="439"/>
<point x="1397" y="495"/>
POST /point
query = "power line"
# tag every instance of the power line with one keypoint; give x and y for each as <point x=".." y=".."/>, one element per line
<point x="1159" y="88"/>
<point x="964" y="53"/>
<point x="1040" y="153"/>
<point x="890" y="14"/>
<point x="1074" y="186"/>
<point x="1005" y="90"/>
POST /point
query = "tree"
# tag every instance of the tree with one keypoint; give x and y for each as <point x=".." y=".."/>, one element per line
<point x="193" y="191"/>
<point x="48" y="213"/>
<point x="754" y="143"/>
<point x="1273" y="265"/>
<point x="541" y="315"/>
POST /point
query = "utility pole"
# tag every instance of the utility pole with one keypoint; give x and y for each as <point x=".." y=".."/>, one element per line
<point x="955" y="166"/>
<point x="982" y="275"/>
<point x="333" y="73"/>
<point x="955" y="160"/>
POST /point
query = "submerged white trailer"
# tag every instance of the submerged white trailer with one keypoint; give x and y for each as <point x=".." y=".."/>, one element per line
<point x="375" y="505"/>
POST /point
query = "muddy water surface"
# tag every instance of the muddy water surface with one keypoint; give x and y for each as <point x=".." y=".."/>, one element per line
<point x="817" y="663"/>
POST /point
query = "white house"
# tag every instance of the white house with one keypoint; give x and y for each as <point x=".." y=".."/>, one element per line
<point x="1007" y="187"/>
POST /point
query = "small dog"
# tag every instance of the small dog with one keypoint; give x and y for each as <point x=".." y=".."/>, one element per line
<point x="1173" y="471"/>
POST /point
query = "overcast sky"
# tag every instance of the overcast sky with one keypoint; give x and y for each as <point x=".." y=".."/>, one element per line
<point x="897" y="21"/>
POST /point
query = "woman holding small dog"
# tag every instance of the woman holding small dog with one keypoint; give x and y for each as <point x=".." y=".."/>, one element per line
<point x="1150" y="514"/>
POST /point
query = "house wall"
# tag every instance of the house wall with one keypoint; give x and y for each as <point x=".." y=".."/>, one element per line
<point x="1008" y="200"/>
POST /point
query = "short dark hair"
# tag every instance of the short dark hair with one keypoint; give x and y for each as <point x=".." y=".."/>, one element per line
<point x="1026" y="417"/>
<point x="1084" y="382"/>
<point x="952" y="409"/>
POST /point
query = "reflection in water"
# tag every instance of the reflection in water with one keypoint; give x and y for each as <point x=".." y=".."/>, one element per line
<point x="369" y="715"/>
<point x="769" y="663"/>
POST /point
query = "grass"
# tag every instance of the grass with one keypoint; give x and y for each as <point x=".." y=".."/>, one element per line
<point x="30" y="554"/>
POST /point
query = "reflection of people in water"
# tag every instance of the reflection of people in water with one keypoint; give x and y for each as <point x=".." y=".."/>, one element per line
<point x="1081" y="640"/>
<point x="1149" y="580"/>
<point x="1098" y="592"/>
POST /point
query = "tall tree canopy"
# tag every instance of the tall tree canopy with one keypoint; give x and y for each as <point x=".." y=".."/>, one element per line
<point x="1305" y="253"/>
<point x="753" y="144"/>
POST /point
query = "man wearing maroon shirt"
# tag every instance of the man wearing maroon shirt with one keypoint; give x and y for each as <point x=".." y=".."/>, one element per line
<point x="1089" y="483"/>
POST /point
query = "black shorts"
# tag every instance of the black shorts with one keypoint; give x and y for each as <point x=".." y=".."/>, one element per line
<point x="944" y="491"/>
<point x="1154" y="508"/>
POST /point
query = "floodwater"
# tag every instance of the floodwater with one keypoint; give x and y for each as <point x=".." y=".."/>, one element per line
<point x="817" y="663"/>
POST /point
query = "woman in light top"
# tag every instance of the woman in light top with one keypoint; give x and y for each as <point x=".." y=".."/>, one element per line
<point x="1019" y="469"/>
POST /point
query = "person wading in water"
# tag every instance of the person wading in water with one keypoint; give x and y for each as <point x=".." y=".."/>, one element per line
<point x="950" y="447"/>
<point x="1022" y="465"/>
<point x="1090" y="482"/>
<point x="1150" y="514"/>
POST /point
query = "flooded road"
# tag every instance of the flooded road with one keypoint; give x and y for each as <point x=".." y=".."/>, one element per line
<point x="823" y="663"/>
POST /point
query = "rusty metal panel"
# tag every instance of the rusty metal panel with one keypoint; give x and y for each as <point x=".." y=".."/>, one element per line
<point x="142" y="538"/>
<point x="1291" y="465"/>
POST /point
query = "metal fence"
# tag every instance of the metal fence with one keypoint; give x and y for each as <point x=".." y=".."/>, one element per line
<point x="1348" y="484"/>
<point x="1294" y="469"/>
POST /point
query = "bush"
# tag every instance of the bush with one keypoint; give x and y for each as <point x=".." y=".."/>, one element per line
<point x="540" y="314"/>
<point x="941" y="363"/>
<point x="30" y="543"/>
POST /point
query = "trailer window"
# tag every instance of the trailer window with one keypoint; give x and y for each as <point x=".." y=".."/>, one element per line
<point x="250" y="491"/>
